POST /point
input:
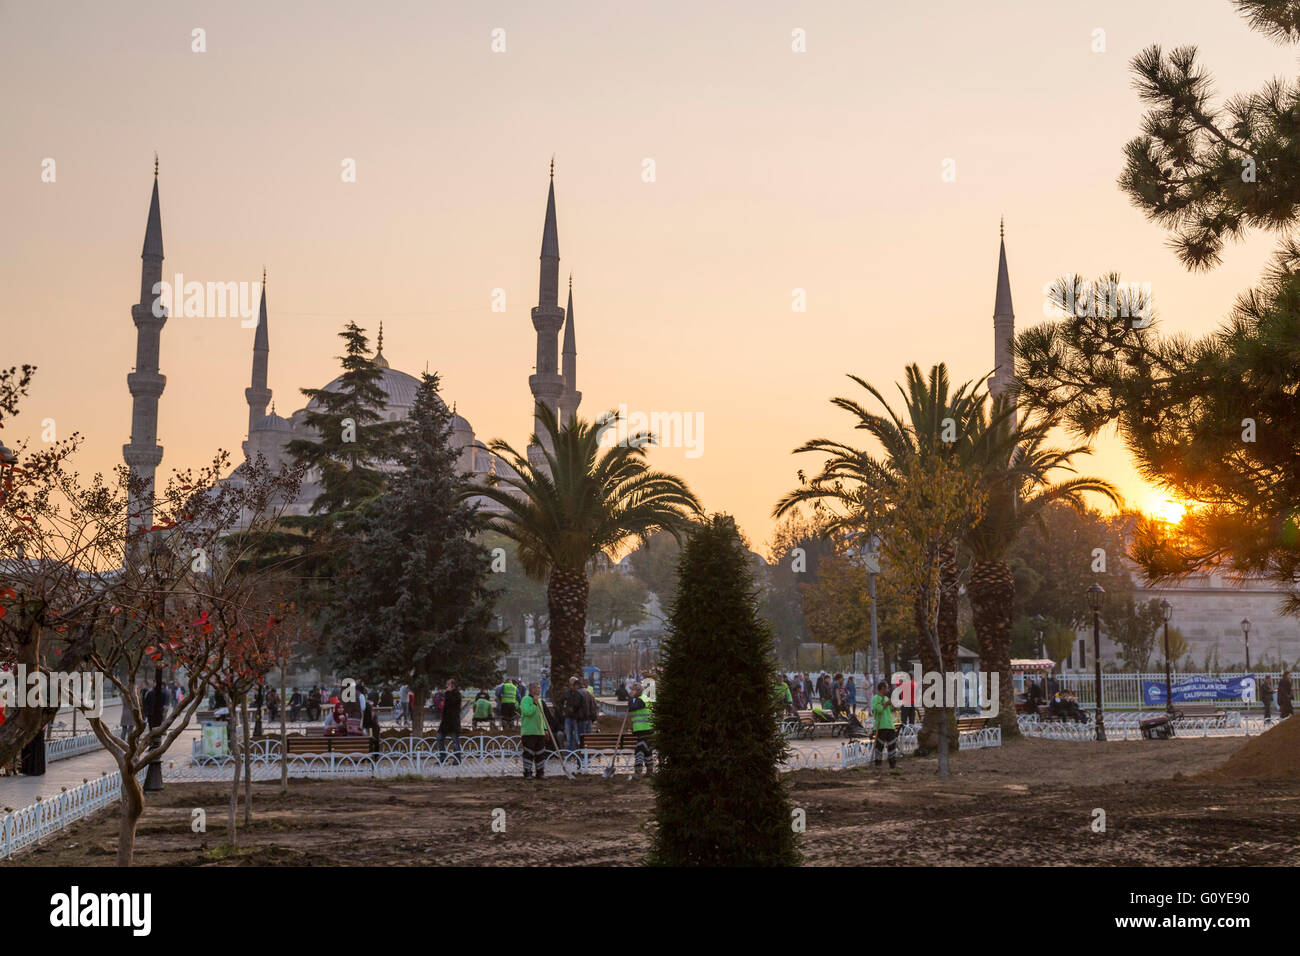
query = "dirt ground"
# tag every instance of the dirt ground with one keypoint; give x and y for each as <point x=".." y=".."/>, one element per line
<point x="1029" y="802"/>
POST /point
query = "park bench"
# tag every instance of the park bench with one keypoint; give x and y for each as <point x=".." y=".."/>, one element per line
<point x="968" y="724"/>
<point x="1200" y="710"/>
<point x="321" y="744"/>
<point x="607" y="741"/>
<point x="810" y="725"/>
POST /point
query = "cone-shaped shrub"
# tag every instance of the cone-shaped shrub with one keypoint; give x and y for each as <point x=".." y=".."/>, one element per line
<point x="719" y="799"/>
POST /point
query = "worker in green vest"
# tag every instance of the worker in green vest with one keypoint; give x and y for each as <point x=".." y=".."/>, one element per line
<point x="640" y="715"/>
<point x="509" y="702"/>
<point x="482" y="710"/>
<point x="533" y="732"/>
<point x="783" y="695"/>
<point x="882" y="713"/>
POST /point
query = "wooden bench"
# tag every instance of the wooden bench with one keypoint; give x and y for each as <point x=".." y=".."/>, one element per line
<point x="605" y="741"/>
<point x="810" y="725"/>
<point x="321" y="744"/>
<point x="1198" y="710"/>
<point x="968" y="724"/>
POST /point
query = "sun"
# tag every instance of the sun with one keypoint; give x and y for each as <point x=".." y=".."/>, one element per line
<point x="1166" y="509"/>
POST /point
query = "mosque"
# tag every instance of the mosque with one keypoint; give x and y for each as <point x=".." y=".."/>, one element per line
<point x="554" y="381"/>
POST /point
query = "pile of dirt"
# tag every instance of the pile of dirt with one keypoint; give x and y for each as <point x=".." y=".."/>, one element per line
<point x="1273" y="755"/>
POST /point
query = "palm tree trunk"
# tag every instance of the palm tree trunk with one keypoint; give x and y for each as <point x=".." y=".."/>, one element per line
<point x="992" y="595"/>
<point x="566" y="599"/>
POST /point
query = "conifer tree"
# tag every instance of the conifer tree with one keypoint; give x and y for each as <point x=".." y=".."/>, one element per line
<point x="719" y="797"/>
<point x="414" y="604"/>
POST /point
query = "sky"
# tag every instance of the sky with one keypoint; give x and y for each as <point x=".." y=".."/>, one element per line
<point x="774" y="171"/>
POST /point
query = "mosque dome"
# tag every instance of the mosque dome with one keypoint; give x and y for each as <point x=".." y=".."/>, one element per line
<point x="398" y="387"/>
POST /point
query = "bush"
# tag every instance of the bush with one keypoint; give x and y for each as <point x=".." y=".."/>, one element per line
<point x="719" y="797"/>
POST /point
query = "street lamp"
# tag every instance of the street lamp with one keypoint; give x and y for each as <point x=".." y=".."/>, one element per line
<point x="873" y="568"/>
<point x="1095" y="594"/>
<point x="1167" y="610"/>
<point x="1245" y="629"/>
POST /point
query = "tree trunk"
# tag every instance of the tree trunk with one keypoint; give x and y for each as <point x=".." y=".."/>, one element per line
<point x="284" y="735"/>
<point x="232" y="833"/>
<point x="944" y="727"/>
<point x="992" y="595"/>
<point x="132" y="808"/>
<point x="248" y="765"/>
<point x="566" y="600"/>
<point x="419" y="692"/>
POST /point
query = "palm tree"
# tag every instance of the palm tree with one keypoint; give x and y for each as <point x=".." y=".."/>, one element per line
<point x="583" y="498"/>
<point x="938" y="422"/>
<point x="1017" y="466"/>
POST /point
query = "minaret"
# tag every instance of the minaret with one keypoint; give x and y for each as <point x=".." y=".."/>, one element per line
<point x="257" y="394"/>
<point x="1004" y="324"/>
<point x="546" y="383"/>
<point x="144" y="453"/>
<point x="572" y="398"/>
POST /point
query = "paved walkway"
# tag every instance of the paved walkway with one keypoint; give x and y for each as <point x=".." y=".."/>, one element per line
<point x="17" y="792"/>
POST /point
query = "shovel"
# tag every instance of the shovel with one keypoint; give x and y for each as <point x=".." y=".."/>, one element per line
<point x="564" y="764"/>
<point x="618" y="742"/>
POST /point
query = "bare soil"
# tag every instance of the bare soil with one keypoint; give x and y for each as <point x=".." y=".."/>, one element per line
<point x="1029" y="802"/>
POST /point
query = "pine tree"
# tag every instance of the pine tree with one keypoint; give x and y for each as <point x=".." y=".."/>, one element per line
<point x="414" y="605"/>
<point x="719" y="797"/>
<point x="353" y="440"/>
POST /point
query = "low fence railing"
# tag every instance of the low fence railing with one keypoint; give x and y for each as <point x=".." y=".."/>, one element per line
<point x="61" y="747"/>
<point x="22" y="828"/>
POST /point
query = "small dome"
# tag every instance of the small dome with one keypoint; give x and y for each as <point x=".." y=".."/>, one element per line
<point x="273" y="423"/>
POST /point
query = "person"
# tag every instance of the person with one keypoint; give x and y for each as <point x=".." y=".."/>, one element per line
<point x="807" y="690"/>
<point x="783" y="695"/>
<point x="400" y="716"/>
<point x="620" y="692"/>
<point x="295" y="704"/>
<point x="507" y="697"/>
<point x="482" y="711"/>
<point x="1284" y="695"/>
<point x="336" y="721"/>
<point x="449" y="725"/>
<point x="796" y="695"/>
<point x="313" y="704"/>
<point x="882" y="713"/>
<point x="1266" y="695"/>
<point x="591" y="715"/>
<point x="574" y="706"/>
<point x="907" y="700"/>
<point x="851" y="695"/>
<point x="1033" y="697"/>
<point x="640" y="717"/>
<point x="533" y="733"/>
<point x="837" y="696"/>
<point x="273" y="703"/>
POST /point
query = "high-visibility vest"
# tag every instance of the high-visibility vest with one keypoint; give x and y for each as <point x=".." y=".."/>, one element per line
<point x="642" y="719"/>
<point x="508" y="692"/>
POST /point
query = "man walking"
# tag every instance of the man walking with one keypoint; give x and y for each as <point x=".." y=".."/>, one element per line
<point x="533" y="739"/>
<point x="449" y="725"/>
<point x="882" y="713"/>
<point x="591" y="713"/>
<point x="641" y="718"/>
<point x="907" y="699"/>
<point x="574" y="710"/>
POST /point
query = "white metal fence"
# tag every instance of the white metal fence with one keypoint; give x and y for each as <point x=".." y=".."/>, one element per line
<point x="24" y="827"/>
<point x="61" y="747"/>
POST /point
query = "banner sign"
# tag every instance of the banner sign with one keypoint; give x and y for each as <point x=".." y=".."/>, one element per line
<point x="1188" y="689"/>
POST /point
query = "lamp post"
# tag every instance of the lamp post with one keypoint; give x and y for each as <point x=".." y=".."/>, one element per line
<point x="1167" y="610"/>
<point x="873" y="568"/>
<point x="1095" y="594"/>
<point x="1245" y="629"/>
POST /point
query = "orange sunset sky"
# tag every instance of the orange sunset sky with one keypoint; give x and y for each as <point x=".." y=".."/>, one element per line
<point x="775" y="170"/>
